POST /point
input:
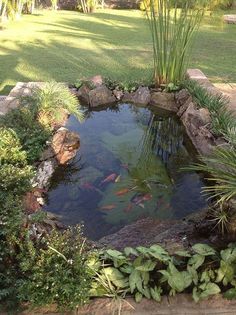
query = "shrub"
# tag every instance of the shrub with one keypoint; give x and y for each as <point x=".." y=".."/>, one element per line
<point x="52" y="100"/>
<point x="56" y="272"/>
<point x="31" y="134"/>
<point x="10" y="148"/>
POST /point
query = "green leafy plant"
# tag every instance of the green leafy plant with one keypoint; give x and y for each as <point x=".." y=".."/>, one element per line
<point x="52" y="101"/>
<point x="55" y="271"/>
<point x="172" y="27"/>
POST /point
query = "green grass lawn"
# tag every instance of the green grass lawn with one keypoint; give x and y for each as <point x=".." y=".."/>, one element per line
<point x="66" y="46"/>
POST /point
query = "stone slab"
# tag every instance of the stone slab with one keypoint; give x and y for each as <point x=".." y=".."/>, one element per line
<point x="230" y="18"/>
<point x="229" y="91"/>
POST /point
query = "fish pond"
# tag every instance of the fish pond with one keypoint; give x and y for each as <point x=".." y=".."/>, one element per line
<point x="128" y="167"/>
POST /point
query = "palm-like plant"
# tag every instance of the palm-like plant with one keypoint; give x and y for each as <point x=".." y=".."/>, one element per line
<point x="222" y="169"/>
<point x="172" y="26"/>
<point x="52" y="100"/>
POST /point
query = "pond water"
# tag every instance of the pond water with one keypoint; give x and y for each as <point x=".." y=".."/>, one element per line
<point x="128" y="167"/>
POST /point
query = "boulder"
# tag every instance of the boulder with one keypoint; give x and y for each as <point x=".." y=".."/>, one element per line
<point x="44" y="174"/>
<point x="141" y="96"/>
<point x="183" y="97"/>
<point x="196" y="123"/>
<point x="65" y="145"/>
<point x="31" y="203"/>
<point x="83" y="94"/>
<point x="164" y="100"/>
<point x="101" y="95"/>
<point x="87" y="86"/>
<point x="118" y="94"/>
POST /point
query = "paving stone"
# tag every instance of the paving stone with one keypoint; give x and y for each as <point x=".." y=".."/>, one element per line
<point x="230" y="18"/>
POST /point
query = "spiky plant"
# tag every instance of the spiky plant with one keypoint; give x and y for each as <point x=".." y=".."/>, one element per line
<point x="172" y="26"/>
<point x="222" y="169"/>
<point x="52" y="100"/>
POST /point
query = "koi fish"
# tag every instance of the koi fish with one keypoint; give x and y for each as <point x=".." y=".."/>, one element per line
<point x="108" y="207"/>
<point x="128" y="208"/>
<point x="118" y="179"/>
<point x="122" y="192"/>
<point x="110" y="178"/>
<point x="147" y="197"/>
<point x="140" y="198"/>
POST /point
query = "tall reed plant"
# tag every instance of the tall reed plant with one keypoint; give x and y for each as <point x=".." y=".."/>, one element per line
<point x="172" y="28"/>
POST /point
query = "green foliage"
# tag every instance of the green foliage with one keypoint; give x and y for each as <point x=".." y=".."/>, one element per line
<point x="172" y="29"/>
<point x="128" y="86"/>
<point x="222" y="168"/>
<point x="151" y="272"/>
<point x="52" y="100"/>
<point x="55" y="271"/>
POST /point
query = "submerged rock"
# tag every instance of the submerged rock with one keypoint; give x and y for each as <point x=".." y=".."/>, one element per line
<point x="65" y="145"/>
<point x="164" y="100"/>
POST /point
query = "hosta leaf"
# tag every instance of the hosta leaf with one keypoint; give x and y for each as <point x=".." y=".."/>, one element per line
<point x="142" y="250"/>
<point x="225" y="273"/>
<point x="130" y="251"/>
<point x="116" y="277"/>
<point x="183" y="253"/>
<point x="138" y="297"/>
<point x="228" y="255"/>
<point x="158" y="252"/>
<point x="193" y="272"/>
<point x="230" y="294"/>
<point x="135" y="280"/>
<point x="115" y="254"/>
<point x="196" y="261"/>
<point x="210" y="289"/>
<point x="148" y="265"/>
<point x="156" y="294"/>
<point x="203" y="249"/>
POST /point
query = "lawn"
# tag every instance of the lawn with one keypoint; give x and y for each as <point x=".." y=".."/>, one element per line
<point x="65" y="46"/>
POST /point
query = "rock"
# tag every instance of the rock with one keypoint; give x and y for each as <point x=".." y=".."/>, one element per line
<point x="83" y="94"/>
<point x="118" y="94"/>
<point x="96" y="81"/>
<point x="101" y="95"/>
<point x="195" y="122"/>
<point x="183" y="97"/>
<point x="141" y="96"/>
<point x="44" y="174"/>
<point x="31" y="203"/>
<point x="65" y="145"/>
<point x="197" y="117"/>
<point x="164" y="100"/>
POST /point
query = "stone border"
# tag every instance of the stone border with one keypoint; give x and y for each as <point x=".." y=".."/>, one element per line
<point x="230" y="19"/>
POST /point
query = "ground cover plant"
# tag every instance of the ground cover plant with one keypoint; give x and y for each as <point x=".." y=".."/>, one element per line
<point x="71" y="47"/>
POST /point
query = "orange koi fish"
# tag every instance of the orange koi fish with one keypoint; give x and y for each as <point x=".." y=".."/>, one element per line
<point x="108" y="207"/>
<point x="122" y="192"/>
<point x="110" y="178"/>
<point x="147" y="197"/>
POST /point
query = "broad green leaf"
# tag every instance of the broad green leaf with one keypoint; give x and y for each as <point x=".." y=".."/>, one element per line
<point x="230" y="294"/>
<point x="203" y="249"/>
<point x="142" y="250"/>
<point x="158" y="252"/>
<point x="148" y="265"/>
<point x="135" y="280"/>
<point x="116" y="277"/>
<point x="196" y="295"/>
<point x="183" y="253"/>
<point x="138" y="297"/>
<point x="145" y="277"/>
<point x="146" y="292"/>
<point x="115" y="254"/>
<point x="228" y="255"/>
<point x="156" y="293"/>
<point x="225" y="273"/>
<point x="196" y="261"/>
<point x="130" y="251"/>
<point x="193" y="272"/>
<point x="210" y="289"/>
<point x="126" y="269"/>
